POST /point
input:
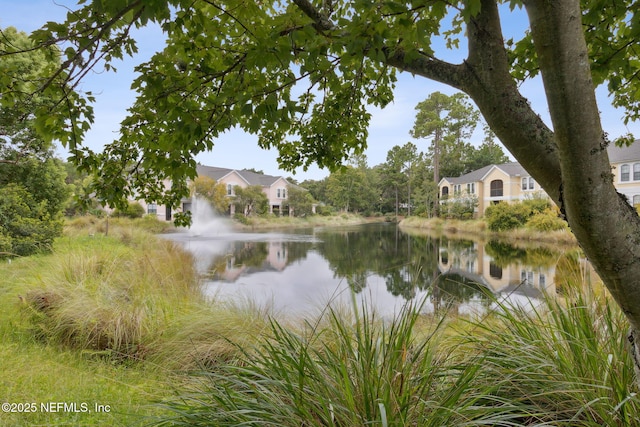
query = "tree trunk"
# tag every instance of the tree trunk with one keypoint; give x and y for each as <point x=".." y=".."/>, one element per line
<point x="571" y="165"/>
<point x="606" y="226"/>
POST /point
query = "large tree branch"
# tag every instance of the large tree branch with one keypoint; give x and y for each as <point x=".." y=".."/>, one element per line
<point x="489" y="83"/>
<point x="321" y="22"/>
<point x="485" y="76"/>
<point x="606" y="226"/>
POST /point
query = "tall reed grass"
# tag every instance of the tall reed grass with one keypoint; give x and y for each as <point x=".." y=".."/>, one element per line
<point x="133" y="296"/>
<point x="561" y="363"/>
<point x="340" y="371"/>
<point x="566" y="361"/>
<point x="113" y="298"/>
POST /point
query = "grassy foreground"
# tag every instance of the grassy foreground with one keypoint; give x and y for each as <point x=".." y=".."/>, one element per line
<point x="103" y="328"/>
<point x="118" y="321"/>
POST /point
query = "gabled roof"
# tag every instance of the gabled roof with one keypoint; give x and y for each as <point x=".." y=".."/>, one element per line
<point x="510" y="169"/>
<point x="249" y="177"/>
<point x="259" y="179"/>
<point x="624" y="154"/>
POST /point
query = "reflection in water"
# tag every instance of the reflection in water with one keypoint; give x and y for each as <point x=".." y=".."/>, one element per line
<point x="301" y="270"/>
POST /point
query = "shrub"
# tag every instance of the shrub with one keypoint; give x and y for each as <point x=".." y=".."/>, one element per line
<point x="547" y="220"/>
<point x="26" y="225"/>
<point x="133" y="210"/>
<point x="509" y="216"/>
<point x="241" y="218"/>
<point x="460" y="207"/>
<point x="506" y="216"/>
<point x="537" y="204"/>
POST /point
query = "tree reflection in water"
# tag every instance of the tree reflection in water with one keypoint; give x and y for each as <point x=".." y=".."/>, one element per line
<point x="375" y="257"/>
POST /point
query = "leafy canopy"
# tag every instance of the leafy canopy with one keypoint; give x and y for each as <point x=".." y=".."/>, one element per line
<point x="298" y="74"/>
<point x="32" y="182"/>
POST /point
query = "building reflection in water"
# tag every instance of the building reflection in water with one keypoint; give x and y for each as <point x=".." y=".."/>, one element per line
<point x="294" y="267"/>
<point x="477" y="265"/>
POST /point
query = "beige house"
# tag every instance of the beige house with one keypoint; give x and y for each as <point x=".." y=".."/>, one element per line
<point x="489" y="185"/>
<point x="276" y="188"/>
<point x="511" y="182"/>
<point x="625" y="163"/>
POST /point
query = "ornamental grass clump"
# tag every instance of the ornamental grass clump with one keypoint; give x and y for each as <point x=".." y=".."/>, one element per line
<point x="111" y="298"/>
<point x="566" y="360"/>
<point x="340" y="372"/>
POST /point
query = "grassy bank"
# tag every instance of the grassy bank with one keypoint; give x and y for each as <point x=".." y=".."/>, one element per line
<point x="107" y="320"/>
<point x="38" y="368"/>
<point x="478" y="228"/>
<point x="337" y="220"/>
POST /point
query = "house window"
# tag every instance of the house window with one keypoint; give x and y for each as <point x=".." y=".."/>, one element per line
<point x="457" y="188"/>
<point x="624" y="172"/>
<point x="281" y="193"/>
<point x="636" y="171"/>
<point x="445" y="192"/>
<point x="636" y="200"/>
<point x="496" y="188"/>
<point x="471" y="188"/>
<point x="152" y="209"/>
<point x="229" y="189"/>
<point x="528" y="183"/>
<point x="495" y="271"/>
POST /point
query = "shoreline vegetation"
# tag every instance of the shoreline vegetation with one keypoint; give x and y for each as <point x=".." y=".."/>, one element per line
<point x="119" y="321"/>
<point x="478" y="228"/>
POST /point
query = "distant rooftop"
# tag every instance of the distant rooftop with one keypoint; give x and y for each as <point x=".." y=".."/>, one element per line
<point x="250" y="177"/>
<point x="624" y="154"/>
<point x="511" y="169"/>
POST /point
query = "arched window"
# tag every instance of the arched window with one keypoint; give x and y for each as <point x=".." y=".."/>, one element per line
<point x="445" y="192"/>
<point x="625" y="172"/>
<point x="496" y="188"/>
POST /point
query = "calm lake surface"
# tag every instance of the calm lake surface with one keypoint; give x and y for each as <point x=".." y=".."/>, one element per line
<point x="297" y="272"/>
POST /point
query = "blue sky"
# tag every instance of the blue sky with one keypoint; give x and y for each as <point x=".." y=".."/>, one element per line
<point x="238" y="150"/>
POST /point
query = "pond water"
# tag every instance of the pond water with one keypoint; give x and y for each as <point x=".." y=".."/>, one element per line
<point x="297" y="272"/>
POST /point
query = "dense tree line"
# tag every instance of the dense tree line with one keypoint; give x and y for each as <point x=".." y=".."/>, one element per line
<point x="407" y="182"/>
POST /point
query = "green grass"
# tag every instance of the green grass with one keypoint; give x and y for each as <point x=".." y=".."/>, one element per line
<point x="33" y="373"/>
<point x="342" y="371"/>
<point x="564" y="363"/>
<point x="567" y="360"/>
<point x="113" y="320"/>
<point x="478" y="227"/>
<point x="342" y="219"/>
<point x="36" y="371"/>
